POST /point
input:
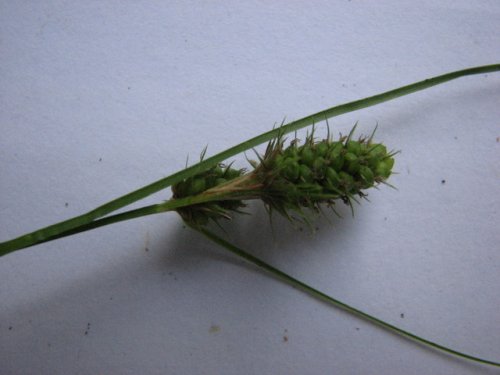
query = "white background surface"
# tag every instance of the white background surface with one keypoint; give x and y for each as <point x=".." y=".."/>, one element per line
<point x="100" y="98"/>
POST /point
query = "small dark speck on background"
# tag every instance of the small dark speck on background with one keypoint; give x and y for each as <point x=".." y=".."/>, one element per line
<point x="66" y="204"/>
<point x="88" y="329"/>
<point x="10" y="328"/>
<point x="498" y="139"/>
<point x="214" y="328"/>
<point x="285" y="336"/>
<point x="357" y="328"/>
<point x="402" y="315"/>
<point x="443" y="182"/>
<point x="100" y="159"/>
<point x="146" y="242"/>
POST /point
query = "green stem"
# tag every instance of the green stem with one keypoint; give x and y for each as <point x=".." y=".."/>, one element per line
<point x="54" y="230"/>
<point x="132" y="214"/>
<point x="170" y="205"/>
<point x="326" y="298"/>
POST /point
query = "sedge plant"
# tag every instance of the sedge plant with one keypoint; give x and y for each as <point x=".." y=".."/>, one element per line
<point x="291" y="179"/>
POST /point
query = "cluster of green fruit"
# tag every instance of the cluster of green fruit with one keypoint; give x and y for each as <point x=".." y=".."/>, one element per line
<point x="322" y="172"/>
<point x="290" y="179"/>
<point x="200" y="214"/>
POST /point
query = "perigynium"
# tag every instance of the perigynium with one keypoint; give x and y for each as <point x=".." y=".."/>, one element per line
<point x="289" y="179"/>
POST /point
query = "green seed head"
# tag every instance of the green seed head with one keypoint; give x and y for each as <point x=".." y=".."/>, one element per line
<point x="289" y="179"/>
<point x="200" y="214"/>
<point x="325" y="172"/>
